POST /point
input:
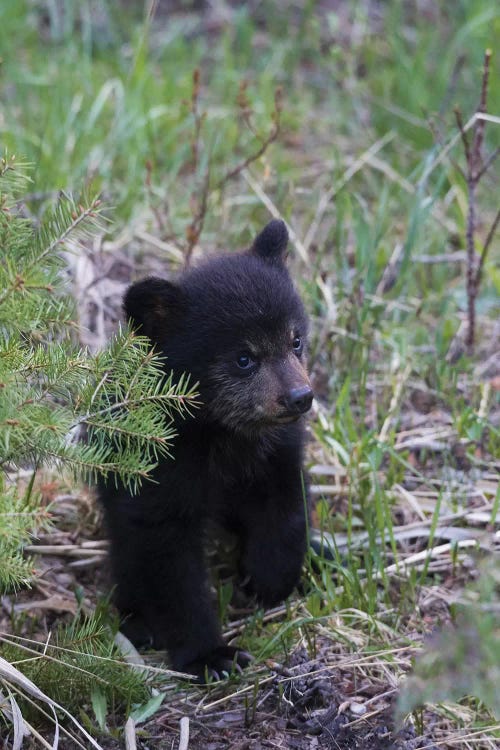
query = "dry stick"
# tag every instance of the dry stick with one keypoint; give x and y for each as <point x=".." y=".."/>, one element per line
<point x="486" y="245"/>
<point x="479" y="131"/>
<point x="168" y="248"/>
<point x="475" y="171"/>
<point x="458" y="257"/>
<point x="184" y="738"/>
<point x="20" y="642"/>
<point x="161" y="221"/>
<point x="195" y="228"/>
<point x="198" y="118"/>
<point x="471" y="269"/>
<point x="459" y="738"/>
<point x="265" y="143"/>
<point x="489" y="161"/>
<point x="469" y="236"/>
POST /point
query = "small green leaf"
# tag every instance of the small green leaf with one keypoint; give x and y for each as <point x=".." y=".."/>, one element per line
<point x="100" y="706"/>
<point x="146" y="710"/>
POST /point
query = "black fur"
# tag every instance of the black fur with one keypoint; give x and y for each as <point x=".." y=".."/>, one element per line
<point x="237" y="325"/>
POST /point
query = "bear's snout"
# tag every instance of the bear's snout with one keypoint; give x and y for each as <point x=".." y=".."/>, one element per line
<point x="299" y="400"/>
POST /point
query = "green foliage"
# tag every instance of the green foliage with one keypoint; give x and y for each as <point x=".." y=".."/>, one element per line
<point x="463" y="660"/>
<point x="80" y="666"/>
<point x="51" y="393"/>
<point x="50" y="389"/>
<point x="20" y="517"/>
<point x="144" y="711"/>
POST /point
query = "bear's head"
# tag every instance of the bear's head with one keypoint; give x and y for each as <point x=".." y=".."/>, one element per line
<point x="236" y="324"/>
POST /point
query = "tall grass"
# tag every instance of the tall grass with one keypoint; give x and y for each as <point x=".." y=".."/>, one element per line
<point x="363" y="175"/>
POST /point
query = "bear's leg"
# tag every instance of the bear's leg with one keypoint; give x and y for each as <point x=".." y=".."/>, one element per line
<point x="163" y="593"/>
<point x="273" y="536"/>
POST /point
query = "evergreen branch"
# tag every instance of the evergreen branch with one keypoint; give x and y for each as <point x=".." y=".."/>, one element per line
<point x="77" y="656"/>
<point x="96" y="467"/>
<point x="66" y="221"/>
<point x="162" y="399"/>
<point x="134" y="434"/>
<point x="13" y="175"/>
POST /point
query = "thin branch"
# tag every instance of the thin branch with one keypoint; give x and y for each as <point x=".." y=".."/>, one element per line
<point x="471" y="262"/>
<point x="195" y="228"/>
<point x="486" y="246"/>
<point x="489" y="161"/>
<point x="475" y="171"/>
<point x="265" y="143"/>
<point x="148" y="184"/>
<point x="459" y="169"/>
<point x="479" y="130"/>
<point x="198" y="118"/>
<point x="200" y="200"/>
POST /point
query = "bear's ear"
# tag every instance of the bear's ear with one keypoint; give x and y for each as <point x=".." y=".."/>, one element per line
<point x="152" y="306"/>
<point x="272" y="242"/>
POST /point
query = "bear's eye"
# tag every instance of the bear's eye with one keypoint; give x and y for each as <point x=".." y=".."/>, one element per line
<point x="297" y="344"/>
<point x="244" y="361"/>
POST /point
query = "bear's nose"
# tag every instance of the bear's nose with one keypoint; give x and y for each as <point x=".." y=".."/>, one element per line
<point x="299" y="400"/>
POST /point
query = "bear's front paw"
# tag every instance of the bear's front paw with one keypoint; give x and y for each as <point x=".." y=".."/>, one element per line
<point x="218" y="664"/>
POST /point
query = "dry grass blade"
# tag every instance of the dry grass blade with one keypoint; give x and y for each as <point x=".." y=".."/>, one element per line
<point x="20" y="729"/>
<point x="130" y="736"/>
<point x="460" y="738"/>
<point x="66" y="550"/>
<point x="396" y="398"/>
<point x="427" y="554"/>
<point x="275" y="213"/>
<point x="349" y="173"/>
<point x="11" y="675"/>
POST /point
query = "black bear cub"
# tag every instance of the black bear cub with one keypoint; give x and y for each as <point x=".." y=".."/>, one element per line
<point x="237" y="325"/>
